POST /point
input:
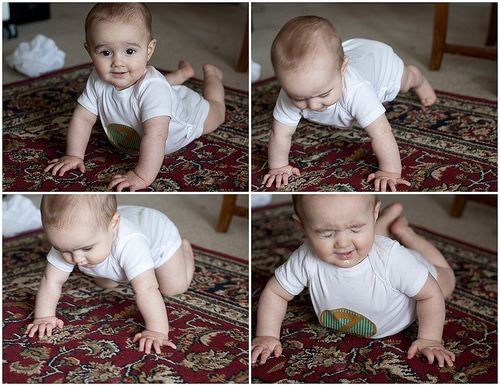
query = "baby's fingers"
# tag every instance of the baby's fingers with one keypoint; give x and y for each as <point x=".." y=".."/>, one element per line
<point x="443" y="356"/>
<point x="263" y="351"/>
<point x="440" y="356"/>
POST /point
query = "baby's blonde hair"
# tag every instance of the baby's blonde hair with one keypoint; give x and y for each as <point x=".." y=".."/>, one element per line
<point x="300" y="39"/>
<point x="61" y="210"/>
<point x="119" y="12"/>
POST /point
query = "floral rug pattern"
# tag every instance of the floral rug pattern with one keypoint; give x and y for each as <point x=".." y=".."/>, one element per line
<point x="209" y="324"/>
<point x="315" y="354"/>
<point x="450" y="146"/>
<point x="36" y="114"/>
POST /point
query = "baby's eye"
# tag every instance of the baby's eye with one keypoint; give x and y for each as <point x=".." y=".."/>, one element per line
<point x="106" y="53"/>
<point x="130" y="51"/>
<point x="86" y="249"/>
<point x="355" y="230"/>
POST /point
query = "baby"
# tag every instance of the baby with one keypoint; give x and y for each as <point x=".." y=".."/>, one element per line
<point x="339" y="84"/>
<point x="360" y="281"/>
<point x="115" y="246"/>
<point x="139" y="109"/>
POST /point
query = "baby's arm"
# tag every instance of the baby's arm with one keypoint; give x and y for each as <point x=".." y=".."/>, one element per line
<point x="152" y="307"/>
<point x="272" y="307"/>
<point x="48" y="295"/>
<point x="151" y="156"/>
<point x="280" y="142"/>
<point x="79" y="131"/>
<point x="386" y="149"/>
<point x="431" y="315"/>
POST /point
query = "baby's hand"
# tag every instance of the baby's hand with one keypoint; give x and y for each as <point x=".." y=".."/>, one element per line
<point x="432" y="350"/>
<point x="129" y="180"/>
<point x="44" y="326"/>
<point x="280" y="175"/>
<point x="148" y="339"/>
<point x="64" y="164"/>
<point x="263" y="346"/>
<point x="383" y="179"/>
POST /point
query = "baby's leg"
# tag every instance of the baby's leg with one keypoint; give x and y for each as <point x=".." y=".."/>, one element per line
<point x="413" y="79"/>
<point x="386" y="218"/>
<point x="407" y="237"/>
<point x="213" y="91"/>
<point x="174" y="277"/>
<point x="179" y="76"/>
<point x="105" y="283"/>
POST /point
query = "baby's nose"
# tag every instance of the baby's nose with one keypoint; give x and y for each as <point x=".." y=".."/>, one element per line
<point x="117" y="60"/>
<point x="313" y="105"/>
<point x="78" y="259"/>
<point x="341" y="240"/>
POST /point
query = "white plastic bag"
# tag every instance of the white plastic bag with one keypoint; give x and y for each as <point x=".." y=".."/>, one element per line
<point x="37" y="57"/>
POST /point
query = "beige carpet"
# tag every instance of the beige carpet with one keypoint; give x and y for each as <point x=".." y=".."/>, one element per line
<point x="196" y="216"/>
<point x="183" y="31"/>
<point x="478" y="224"/>
<point x="408" y="28"/>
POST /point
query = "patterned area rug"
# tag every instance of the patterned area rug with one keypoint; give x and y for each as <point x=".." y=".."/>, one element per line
<point x="209" y="324"/>
<point x="450" y="146"/>
<point x="36" y="114"/>
<point x="314" y="354"/>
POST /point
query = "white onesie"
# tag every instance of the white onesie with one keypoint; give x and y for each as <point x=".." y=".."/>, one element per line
<point x="146" y="239"/>
<point x="372" y="299"/>
<point x="373" y="76"/>
<point x="123" y="112"/>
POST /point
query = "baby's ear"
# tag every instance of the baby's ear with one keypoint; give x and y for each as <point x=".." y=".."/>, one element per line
<point x="151" y="48"/>
<point x="344" y="65"/>
<point x="297" y="220"/>
<point x="87" y="47"/>
<point x="115" y="221"/>
<point x="376" y="211"/>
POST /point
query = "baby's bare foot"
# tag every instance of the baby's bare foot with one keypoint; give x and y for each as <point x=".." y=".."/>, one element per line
<point x="387" y="217"/>
<point x="186" y="69"/>
<point x="400" y="227"/>
<point x="426" y="93"/>
<point x="211" y="70"/>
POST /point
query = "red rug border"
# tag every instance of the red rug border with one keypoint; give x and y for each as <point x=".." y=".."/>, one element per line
<point x="89" y="64"/>
<point x="203" y="249"/>
<point x="455" y="95"/>
<point x="446" y="237"/>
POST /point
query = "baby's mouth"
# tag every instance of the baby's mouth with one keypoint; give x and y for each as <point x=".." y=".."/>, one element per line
<point x="344" y="255"/>
<point x="118" y="73"/>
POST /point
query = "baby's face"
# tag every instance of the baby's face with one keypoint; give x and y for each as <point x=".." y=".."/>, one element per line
<point x="83" y="243"/>
<point x="340" y="228"/>
<point x="315" y="87"/>
<point x="120" y="52"/>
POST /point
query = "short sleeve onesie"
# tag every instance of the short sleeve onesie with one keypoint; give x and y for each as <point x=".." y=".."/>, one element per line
<point x="146" y="239"/>
<point x="123" y="112"/>
<point x="373" y="76"/>
<point x="372" y="299"/>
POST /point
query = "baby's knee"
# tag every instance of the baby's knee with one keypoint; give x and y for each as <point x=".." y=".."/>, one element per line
<point x="105" y="283"/>
<point x="175" y="289"/>
<point x="412" y="77"/>
<point x="216" y="117"/>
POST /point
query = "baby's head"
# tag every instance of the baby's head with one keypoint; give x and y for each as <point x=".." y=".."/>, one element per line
<point x="340" y="228"/>
<point x="80" y="226"/>
<point x="122" y="13"/>
<point x="309" y="62"/>
<point x="120" y="42"/>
